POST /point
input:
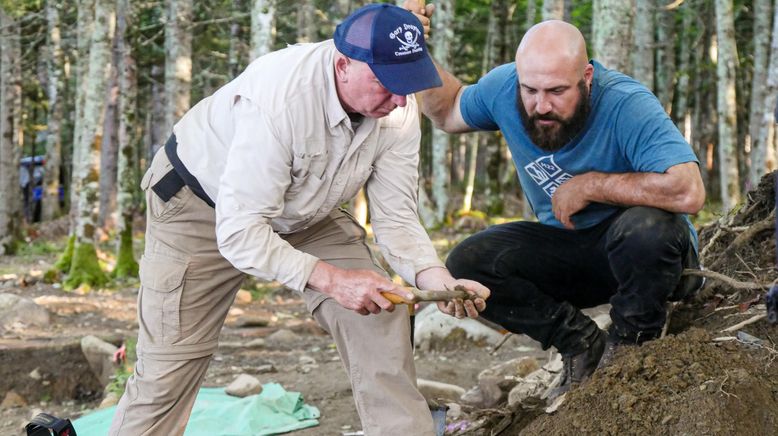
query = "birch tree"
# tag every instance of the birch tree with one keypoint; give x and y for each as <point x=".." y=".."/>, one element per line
<point x="643" y="37"/>
<point x="306" y="21"/>
<point x="758" y="90"/>
<point x="612" y="28"/>
<point x="84" y="268"/>
<point x="10" y="135"/>
<point x="126" y="266"/>
<point x="263" y="28"/>
<point x="771" y="95"/>
<point x="55" y="86"/>
<point x="441" y="39"/>
<point x="665" y="58"/>
<point x="84" y="24"/>
<point x="553" y="10"/>
<point x="726" y="64"/>
<point x="178" y="60"/>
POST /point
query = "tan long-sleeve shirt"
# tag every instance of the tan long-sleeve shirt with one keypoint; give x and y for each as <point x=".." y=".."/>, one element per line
<point x="277" y="152"/>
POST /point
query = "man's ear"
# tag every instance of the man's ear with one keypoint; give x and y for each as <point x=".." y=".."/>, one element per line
<point x="342" y="64"/>
<point x="589" y="74"/>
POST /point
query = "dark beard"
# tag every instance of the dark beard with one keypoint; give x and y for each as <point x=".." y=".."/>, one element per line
<point x="552" y="138"/>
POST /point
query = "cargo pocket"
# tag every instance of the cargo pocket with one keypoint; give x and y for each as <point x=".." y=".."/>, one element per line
<point x="162" y="282"/>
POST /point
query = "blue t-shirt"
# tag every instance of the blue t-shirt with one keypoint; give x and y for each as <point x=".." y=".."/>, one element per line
<point x="627" y="131"/>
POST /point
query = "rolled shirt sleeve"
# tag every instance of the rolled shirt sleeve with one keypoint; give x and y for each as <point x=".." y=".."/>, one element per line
<point x="392" y="191"/>
<point x="251" y="194"/>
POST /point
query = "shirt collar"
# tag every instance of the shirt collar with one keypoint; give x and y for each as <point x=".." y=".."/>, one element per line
<point x="335" y="112"/>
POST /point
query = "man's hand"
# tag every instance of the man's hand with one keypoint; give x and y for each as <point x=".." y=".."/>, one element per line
<point x="440" y="279"/>
<point x="358" y="290"/>
<point x="423" y="13"/>
<point x="570" y="198"/>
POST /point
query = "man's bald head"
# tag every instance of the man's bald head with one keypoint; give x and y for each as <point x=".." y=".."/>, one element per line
<point x="552" y="46"/>
<point x="555" y="79"/>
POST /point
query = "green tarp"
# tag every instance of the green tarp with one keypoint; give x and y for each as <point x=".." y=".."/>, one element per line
<point x="273" y="411"/>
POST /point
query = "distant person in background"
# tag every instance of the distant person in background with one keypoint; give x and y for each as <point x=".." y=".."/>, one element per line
<point x="609" y="177"/>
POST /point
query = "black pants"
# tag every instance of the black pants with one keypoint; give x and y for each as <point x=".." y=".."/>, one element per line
<point x="541" y="275"/>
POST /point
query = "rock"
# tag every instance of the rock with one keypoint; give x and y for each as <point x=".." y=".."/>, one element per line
<point x="99" y="354"/>
<point x="12" y="399"/>
<point x="454" y="411"/>
<point x="255" y="343"/>
<point x="35" y="374"/>
<point x="18" y="310"/>
<point x="436" y="330"/>
<point x="110" y="399"/>
<point x="243" y="297"/>
<point x="518" y="367"/>
<point x="266" y="368"/>
<point x="283" y="337"/>
<point x="487" y="394"/>
<point x="244" y="386"/>
<point x="432" y="390"/>
<point x="307" y="360"/>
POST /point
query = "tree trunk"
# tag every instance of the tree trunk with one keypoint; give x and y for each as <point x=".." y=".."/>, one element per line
<point x="84" y="268"/>
<point x="681" y="113"/>
<point x="263" y="29"/>
<point x="306" y="21"/>
<point x="643" y="53"/>
<point x="126" y="266"/>
<point x="159" y="129"/>
<point x="178" y="60"/>
<point x="472" y="161"/>
<point x="553" y="10"/>
<point x="10" y="136"/>
<point x="85" y="26"/>
<point x="759" y="102"/>
<point x="665" y="58"/>
<point x="54" y="93"/>
<point x="234" y="59"/>
<point x="109" y="148"/>
<point x="529" y="19"/>
<point x="612" y="25"/>
<point x="768" y="134"/>
<point x="726" y="64"/>
<point x="442" y="36"/>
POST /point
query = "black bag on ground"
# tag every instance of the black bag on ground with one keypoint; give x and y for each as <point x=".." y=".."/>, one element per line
<point x="46" y="425"/>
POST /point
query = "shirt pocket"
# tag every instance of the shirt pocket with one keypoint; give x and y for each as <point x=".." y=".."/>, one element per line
<point x="308" y="164"/>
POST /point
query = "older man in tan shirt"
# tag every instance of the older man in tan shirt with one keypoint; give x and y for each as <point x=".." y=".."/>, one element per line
<point x="250" y="183"/>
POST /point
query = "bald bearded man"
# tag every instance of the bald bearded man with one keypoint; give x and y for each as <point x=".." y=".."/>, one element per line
<point x="610" y="179"/>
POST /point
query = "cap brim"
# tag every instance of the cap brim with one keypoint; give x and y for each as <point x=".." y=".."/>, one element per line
<point x="408" y="77"/>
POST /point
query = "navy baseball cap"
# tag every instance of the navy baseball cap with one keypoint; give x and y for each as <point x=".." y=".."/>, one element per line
<point x="391" y="41"/>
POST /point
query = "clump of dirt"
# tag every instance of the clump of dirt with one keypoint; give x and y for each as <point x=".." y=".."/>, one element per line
<point x="685" y="384"/>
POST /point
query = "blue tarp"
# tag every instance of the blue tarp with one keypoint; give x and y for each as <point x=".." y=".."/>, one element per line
<point x="272" y="411"/>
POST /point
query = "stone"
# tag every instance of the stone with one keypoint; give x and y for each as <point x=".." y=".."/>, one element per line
<point x="16" y="310"/>
<point x="12" y="399"/>
<point x="35" y="374"/>
<point x="266" y="368"/>
<point x="99" y="354"/>
<point x="487" y="394"/>
<point x="110" y="399"/>
<point x="436" y="330"/>
<point x="283" y="337"/>
<point x="255" y="343"/>
<point x="434" y="391"/>
<point x="243" y="386"/>
<point x="243" y="297"/>
<point x="307" y="360"/>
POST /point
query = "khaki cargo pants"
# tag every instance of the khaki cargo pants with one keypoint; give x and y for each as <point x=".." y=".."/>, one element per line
<point x="186" y="290"/>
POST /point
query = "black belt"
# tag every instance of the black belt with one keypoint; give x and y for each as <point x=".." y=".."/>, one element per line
<point x="178" y="177"/>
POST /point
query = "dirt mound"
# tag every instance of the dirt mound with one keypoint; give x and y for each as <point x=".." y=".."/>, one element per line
<point x="667" y="387"/>
<point x="708" y="376"/>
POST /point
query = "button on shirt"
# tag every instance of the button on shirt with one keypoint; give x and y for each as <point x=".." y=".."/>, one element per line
<point x="277" y="152"/>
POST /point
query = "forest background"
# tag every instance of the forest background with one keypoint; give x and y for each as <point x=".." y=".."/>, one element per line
<point x="90" y="89"/>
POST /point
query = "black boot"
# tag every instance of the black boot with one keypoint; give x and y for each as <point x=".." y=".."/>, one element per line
<point x="577" y="368"/>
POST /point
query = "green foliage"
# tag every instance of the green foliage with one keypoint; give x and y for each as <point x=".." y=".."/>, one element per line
<point x="63" y="263"/>
<point x="126" y="266"/>
<point x="123" y="372"/>
<point x="85" y="268"/>
<point x="38" y="248"/>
